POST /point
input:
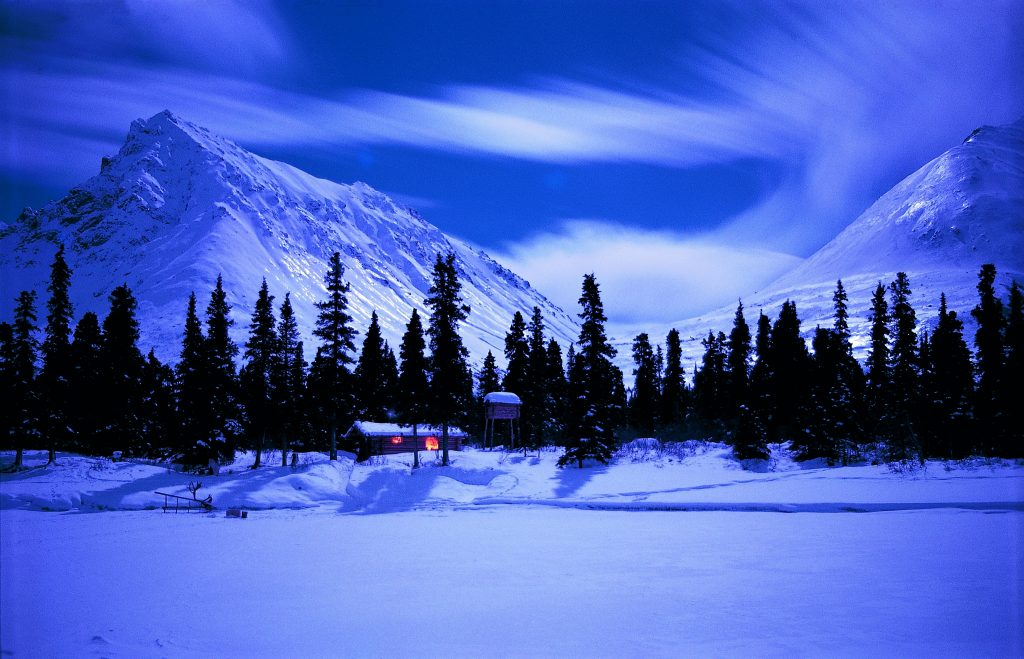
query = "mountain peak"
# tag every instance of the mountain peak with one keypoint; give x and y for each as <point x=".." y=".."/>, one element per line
<point x="1005" y="135"/>
<point x="178" y="206"/>
<point x="166" y="127"/>
<point x="956" y="212"/>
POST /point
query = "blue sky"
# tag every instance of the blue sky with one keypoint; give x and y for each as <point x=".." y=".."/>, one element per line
<point x="689" y="150"/>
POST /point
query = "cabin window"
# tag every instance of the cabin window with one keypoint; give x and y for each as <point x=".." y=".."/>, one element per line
<point x="396" y="440"/>
<point x="431" y="443"/>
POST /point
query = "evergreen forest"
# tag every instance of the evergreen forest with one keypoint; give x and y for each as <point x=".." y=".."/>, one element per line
<point x="86" y="387"/>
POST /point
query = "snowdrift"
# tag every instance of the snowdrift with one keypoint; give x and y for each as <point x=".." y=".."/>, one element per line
<point x="685" y="476"/>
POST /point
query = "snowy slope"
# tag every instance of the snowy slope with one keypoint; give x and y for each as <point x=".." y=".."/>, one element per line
<point x="960" y="210"/>
<point x="940" y="224"/>
<point x="177" y="205"/>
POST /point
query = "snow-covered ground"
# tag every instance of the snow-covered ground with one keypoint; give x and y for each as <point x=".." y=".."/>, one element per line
<point x="505" y="555"/>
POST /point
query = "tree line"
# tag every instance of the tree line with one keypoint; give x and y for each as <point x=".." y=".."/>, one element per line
<point x="90" y="390"/>
<point x="917" y="396"/>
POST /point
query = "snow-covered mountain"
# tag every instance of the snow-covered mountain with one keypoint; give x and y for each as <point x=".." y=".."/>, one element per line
<point x="179" y="205"/>
<point x="939" y="225"/>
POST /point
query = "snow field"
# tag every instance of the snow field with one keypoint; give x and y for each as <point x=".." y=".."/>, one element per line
<point x="506" y="555"/>
<point x="512" y="581"/>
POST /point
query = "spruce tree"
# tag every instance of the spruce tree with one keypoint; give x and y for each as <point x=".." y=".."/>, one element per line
<point x="926" y="423"/>
<point x="555" y="393"/>
<point x="950" y="387"/>
<point x="832" y="424"/>
<point x="255" y="378"/>
<point x="904" y="441"/>
<point x="536" y="402"/>
<point x="517" y="356"/>
<point x="750" y="441"/>
<point x="1013" y="379"/>
<point x="333" y="379"/>
<point x="646" y="400"/>
<point x="673" y="388"/>
<point x="373" y="385"/>
<point x="738" y="363"/>
<point x="879" y="376"/>
<point x="841" y="324"/>
<point x="489" y="379"/>
<point x="413" y="401"/>
<point x="56" y="349"/>
<point x="710" y="386"/>
<point x="790" y="365"/>
<point x="877" y="361"/>
<point x="620" y="400"/>
<point x="659" y="370"/>
<point x="904" y="336"/>
<point x="451" y="382"/>
<point x="761" y="401"/>
<point x="192" y="391"/>
<point x="389" y="378"/>
<point x="122" y="375"/>
<point x="222" y="378"/>
<point x="318" y="408"/>
<point x="594" y="381"/>
<point x="158" y="415"/>
<point x="25" y="391"/>
<point x="288" y="375"/>
<point x="989" y="359"/>
<point x="575" y="400"/>
<point x="834" y="409"/>
<point x="8" y="409"/>
<point x="86" y="385"/>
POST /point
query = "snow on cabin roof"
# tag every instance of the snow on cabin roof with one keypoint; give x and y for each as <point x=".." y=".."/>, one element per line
<point x="504" y="397"/>
<point x="374" y="429"/>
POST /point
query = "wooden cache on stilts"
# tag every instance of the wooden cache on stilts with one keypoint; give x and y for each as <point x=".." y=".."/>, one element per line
<point x="501" y="406"/>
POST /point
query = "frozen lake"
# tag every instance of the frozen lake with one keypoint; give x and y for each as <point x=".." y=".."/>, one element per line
<point x="512" y="581"/>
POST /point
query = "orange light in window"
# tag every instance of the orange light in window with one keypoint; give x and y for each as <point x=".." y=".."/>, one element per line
<point x="396" y="440"/>
<point x="431" y="443"/>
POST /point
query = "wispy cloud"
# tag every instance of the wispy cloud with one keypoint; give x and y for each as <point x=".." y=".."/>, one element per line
<point x="845" y="98"/>
<point x="875" y="90"/>
<point x="233" y="37"/>
<point x="562" y="121"/>
<point x="645" y="276"/>
<point x="801" y="79"/>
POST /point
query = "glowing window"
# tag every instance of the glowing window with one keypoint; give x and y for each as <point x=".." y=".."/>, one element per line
<point x="431" y="443"/>
<point x="396" y="440"/>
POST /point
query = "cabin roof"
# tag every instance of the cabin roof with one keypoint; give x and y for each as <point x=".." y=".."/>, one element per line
<point x="374" y="429"/>
<point x="503" y="397"/>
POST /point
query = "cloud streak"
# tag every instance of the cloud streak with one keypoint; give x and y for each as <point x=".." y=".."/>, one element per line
<point x="844" y="98"/>
<point x="847" y="98"/>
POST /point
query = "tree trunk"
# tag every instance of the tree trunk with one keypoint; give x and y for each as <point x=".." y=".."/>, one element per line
<point x="19" y="459"/>
<point x="415" y="449"/>
<point x="284" y="449"/>
<point x="259" y="450"/>
<point x="52" y="457"/>
<point x="444" y="444"/>
<point x="334" y="439"/>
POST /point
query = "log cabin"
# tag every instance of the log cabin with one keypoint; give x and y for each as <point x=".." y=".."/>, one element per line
<point x="390" y="438"/>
